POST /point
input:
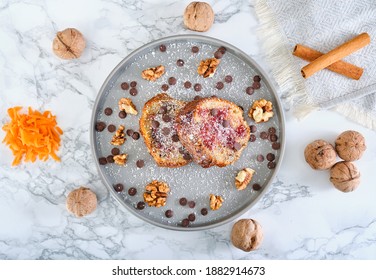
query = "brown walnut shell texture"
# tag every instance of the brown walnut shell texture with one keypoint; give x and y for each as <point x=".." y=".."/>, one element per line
<point x="69" y="44"/>
<point x="350" y="145"/>
<point x="198" y="16"/>
<point x="246" y="235"/>
<point x="320" y="155"/>
<point x="81" y="201"/>
<point x="345" y="176"/>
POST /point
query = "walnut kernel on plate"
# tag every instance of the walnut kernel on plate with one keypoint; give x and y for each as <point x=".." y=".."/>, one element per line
<point x="261" y="110"/>
<point x="215" y="201"/>
<point x="156" y="193"/>
<point x="243" y="178"/>
<point x="126" y="104"/>
<point x="208" y="67"/>
<point x="153" y="73"/>
<point x="119" y="136"/>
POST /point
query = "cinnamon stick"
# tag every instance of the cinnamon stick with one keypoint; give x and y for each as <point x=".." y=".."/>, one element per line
<point x="336" y="54"/>
<point x="341" y="67"/>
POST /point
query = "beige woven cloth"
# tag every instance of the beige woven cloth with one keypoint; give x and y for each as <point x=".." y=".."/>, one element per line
<point x="321" y="25"/>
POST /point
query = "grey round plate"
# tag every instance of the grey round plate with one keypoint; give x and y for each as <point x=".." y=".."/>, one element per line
<point x="191" y="181"/>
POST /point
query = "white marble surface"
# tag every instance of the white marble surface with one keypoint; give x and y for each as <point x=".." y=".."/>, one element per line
<point x="302" y="215"/>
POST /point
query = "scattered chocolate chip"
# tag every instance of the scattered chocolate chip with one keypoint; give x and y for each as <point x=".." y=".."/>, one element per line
<point x="169" y="213"/>
<point x="192" y="217"/>
<point x="228" y="79"/>
<point x="110" y="159"/>
<point x="183" y="201"/>
<point x="256" y="85"/>
<point x="162" y="110"/>
<point x="154" y="124"/>
<point x="102" y="161"/>
<point x="273" y="138"/>
<point x="175" y="138"/>
<point x="241" y="107"/>
<point x="140" y="205"/>
<point x="133" y="91"/>
<point x="249" y="90"/>
<point x="257" y="78"/>
<point x="197" y="87"/>
<point x="237" y="146"/>
<point x="264" y="135"/>
<point x="218" y="55"/>
<point x="214" y="96"/>
<point x="119" y="187"/>
<point x="136" y="135"/>
<point x="100" y="126"/>
<point x="165" y="87"/>
<point x="187" y="84"/>
<point x="129" y="132"/>
<point x="225" y="123"/>
<point x="260" y="158"/>
<point x="122" y="114"/>
<point x="132" y="191"/>
<point x="222" y="50"/>
<point x="124" y="86"/>
<point x="180" y="62"/>
<point x="140" y="163"/>
<point x="166" y="131"/>
<point x="270" y="157"/>
<point x="219" y="85"/>
<point x="256" y="187"/>
<point x="214" y="112"/>
<point x="197" y="97"/>
<point x="191" y="204"/>
<point x="108" y="111"/>
<point x="166" y="118"/>
<point x="195" y="49"/>
<point x="111" y="128"/>
<point x="182" y="150"/>
<point x="115" y="151"/>
<point x="271" y="164"/>
<point x="204" y="211"/>
<point x="272" y="130"/>
<point x="187" y="156"/>
<point x="172" y="81"/>
<point x="162" y="48"/>
<point x="185" y="223"/>
<point x="253" y="128"/>
<point x="133" y="84"/>
<point x="252" y="138"/>
<point x="276" y="146"/>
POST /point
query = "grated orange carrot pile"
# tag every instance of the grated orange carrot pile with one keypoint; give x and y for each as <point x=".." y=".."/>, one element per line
<point x="32" y="135"/>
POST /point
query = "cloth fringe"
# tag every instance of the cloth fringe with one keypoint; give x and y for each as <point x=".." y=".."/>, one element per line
<point x="354" y="114"/>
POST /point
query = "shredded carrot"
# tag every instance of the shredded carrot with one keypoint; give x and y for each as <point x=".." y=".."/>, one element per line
<point x="31" y="136"/>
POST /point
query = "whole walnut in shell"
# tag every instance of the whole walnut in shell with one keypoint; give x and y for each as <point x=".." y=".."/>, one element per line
<point x="198" y="16"/>
<point x="320" y="155"/>
<point x="345" y="176"/>
<point x="350" y="145"/>
<point x="246" y="235"/>
<point x="81" y="201"/>
<point x="69" y="44"/>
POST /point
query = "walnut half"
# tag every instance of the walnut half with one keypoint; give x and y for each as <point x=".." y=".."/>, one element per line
<point x="243" y="178"/>
<point x="156" y="193"/>
<point x="153" y="73"/>
<point x="121" y="159"/>
<point x="119" y="136"/>
<point x="208" y="67"/>
<point x="126" y="104"/>
<point x="261" y="110"/>
<point x="215" y="202"/>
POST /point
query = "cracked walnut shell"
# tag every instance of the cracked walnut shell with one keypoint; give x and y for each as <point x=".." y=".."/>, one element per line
<point x="69" y="44"/>
<point x="156" y="193"/>
<point x="243" y="178"/>
<point x="81" y="202"/>
<point x="246" y="235"/>
<point x="126" y="104"/>
<point x="215" y="202"/>
<point x="320" y="155"/>
<point x="119" y="136"/>
<point x="345" y="176"/>
<point x="198" y="16"/>
<point x="208" y="67"/>
<point x="261" y="110"/>
<point x="350" y="145"/>
<point x="153" y="73"/>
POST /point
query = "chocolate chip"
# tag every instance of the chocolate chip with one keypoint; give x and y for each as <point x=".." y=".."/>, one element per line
<point x="140" y="205"/>
<point x="241" y="107"/>
<point x="272" y="130"/>
<point x="270" y="157"/>
<point x="228" y="79"/>
<point x="185" y="223"/>
<point x="136" y="135"/>
<point x="273" y="138"/>
<point x="140" y="163"/>
<point x="111" y="128"/>
<point x="187" y="156"/>
<point x="219" y="85"/>
<point x="222" y="50"/>
<point x="122" y="114"/>
<point x="180" y="62"/>
<point x="260" y="158"/>
<point x="192" y="217"/>
<point x="162" y="48"/>
<point x="133" y="84"/>
<point x="100" y="126"/>
<point x="204" y="211"/>
<point x="166" y="118"/>
<point x="225" y="123"/>
<point x="124" y="86"/>
<point x="214" y="112"/>
<point x="187" y="84"/>
<point x="195" y="49"/>
<point x="162" y="110"/>
<point x="256" y="85"/>
<point x="183" y="201"/>
<point x="102" y="161"/>
<point x="197" y="97"/>
<point x="237" y="146"/>
<point x="119" y="187"/>
<point x="264" y="135"/>
<point x="165" y="87"/>
<point x="108" y="111"/>
<point x="218" y="55"/>
<point x="154" y="124"/>
<point x="175" y="138"/>
<point x="256" y="187"/>
<point x="169" y="213"/>
<point x="115" y="151"/>
<point x="271" y="164"/>
<point x="252" y="138"/>
<point x="257" y="78"/>
<point x="166" y="131"/>
<point x="191" y="204"/>
<point x="249" y="90"/>
<point x="132" y="191"/>
<point x="197" y="87"/>
<point x="133" y="91"/>
<point x="182" y="150"/>
<point x="214" y="96"/>
<point x="171" y="81"/>
<point x="110" y="159"/>
<point x="253" y="128"/>
<point x="276" y="146"/>
<point x="129" y="132"/>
